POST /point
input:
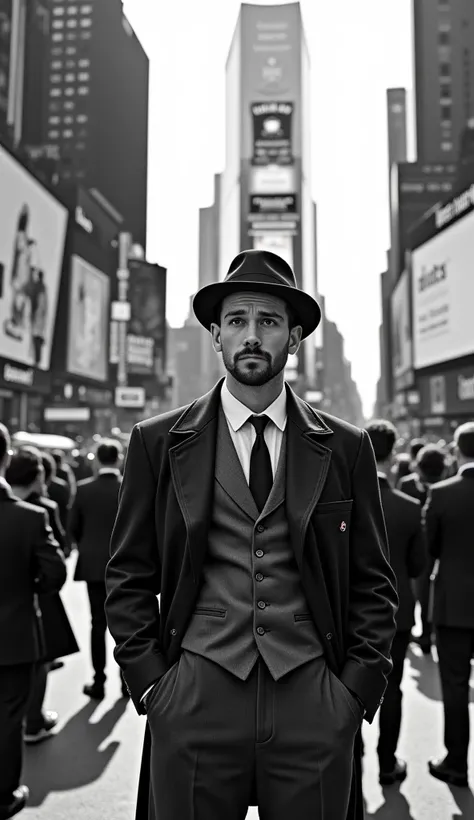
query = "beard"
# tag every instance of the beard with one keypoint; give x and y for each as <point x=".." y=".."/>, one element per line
<point x="255" y="373"/>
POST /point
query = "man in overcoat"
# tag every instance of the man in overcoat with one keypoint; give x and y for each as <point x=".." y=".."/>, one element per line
<point x="258" y="522"/>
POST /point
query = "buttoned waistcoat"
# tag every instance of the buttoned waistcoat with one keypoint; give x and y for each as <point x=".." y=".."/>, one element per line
<point x="251" y="602"/>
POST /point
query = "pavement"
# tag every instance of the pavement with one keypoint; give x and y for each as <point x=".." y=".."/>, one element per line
<point x="89" y="769"/>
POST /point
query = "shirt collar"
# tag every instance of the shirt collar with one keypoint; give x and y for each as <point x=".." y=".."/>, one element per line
<point x="4" y="483"/>
<point x="237" y="413"/>
<point x="109" y="471"/>
<point x="468" y="466"/>
<point x="382" y="475"/>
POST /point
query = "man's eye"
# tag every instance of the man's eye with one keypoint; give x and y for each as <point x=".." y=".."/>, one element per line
<point x="235" y="321"/>
<point x="269" y="321"/>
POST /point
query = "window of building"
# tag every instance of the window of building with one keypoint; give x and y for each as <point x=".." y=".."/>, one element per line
<point x="56" y="64"/>
<point x="85" y="35"/>
<point x="56" y="51"/>
<point x="68" y="120"/>
<point x="444" y="38"/>
<point x="55" y="78"/>
<point x="56" y="37"/>
<point x="86" y="9"/>
<point x="71" y="50"/>
<point x="53" y="135"/>
<point x="447" y="146"/>
<point x="446" y="112"/>
<point x="69" y="92"/>
<point x="84" y="63"/>
<point x="54" y="106"/>
<point x="55" y="92"/>
<point x="58" y="24"/>
<point x="445" y="91"/>
<point x="83" y="76"/>
<point x="68" y="133"/>
<point x="70" y="78"/>
<point x="58" y="11"/>
<point x="69" y="105"/>
<point x="445" y="69"/>
<point x="71" y="35"/>
<point x="54" y="120"/>
<point x="71" y="23"/>
<point x="86" y="22"/>
<point x="83" y="90"/>
<point x="70" y="63"/>
<point x="72" y="10"/>
<point x="82" y="118"/>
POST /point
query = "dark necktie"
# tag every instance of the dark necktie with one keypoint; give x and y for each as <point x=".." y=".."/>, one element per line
<point x="261" y="474"/>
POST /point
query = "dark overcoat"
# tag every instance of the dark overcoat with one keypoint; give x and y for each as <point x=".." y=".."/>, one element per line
<point x="337" y="533"/>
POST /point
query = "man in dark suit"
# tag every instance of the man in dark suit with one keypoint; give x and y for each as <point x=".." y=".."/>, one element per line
<point x="92" y="520"/>
<point x="430" y="468"/>
<point x="30" y="563"/>
<point x="65" y="473"/>
<point x="259" y="521"/>
<point x="408" y="559"/>
<point x="449" y="518"/>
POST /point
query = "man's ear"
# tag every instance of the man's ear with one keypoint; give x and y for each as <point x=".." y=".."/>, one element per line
<point x="295" y="339"/>
<point x="216" y="337"/>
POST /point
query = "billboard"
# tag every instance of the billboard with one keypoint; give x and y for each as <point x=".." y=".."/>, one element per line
<point x="147" y="296"/>
<point x="443" y="295"/>
<point x="272" y="130"/>
<point x="87" y="351"/>
<point x="401" y="333"/>
<point x="281" y="244"/>
<point x="32" y="235"/>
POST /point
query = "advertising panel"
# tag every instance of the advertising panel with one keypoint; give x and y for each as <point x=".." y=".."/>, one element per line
<point x="401" y="333"/>
<point x="32" y="235"/>
<point x="271" y="68"/>
<point x="273" y="204"/>
<point x="449" y="393"/>
<point x="280" y="244"/>
<point x="87" y="352"/>
<point x="272" y="129"/>
<point x="443" y="295"/>
<point x="272" y="179"/>
<point x="147" y="296"/>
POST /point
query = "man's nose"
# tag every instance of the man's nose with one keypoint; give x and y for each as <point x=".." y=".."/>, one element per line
<point x="252" y="340"/>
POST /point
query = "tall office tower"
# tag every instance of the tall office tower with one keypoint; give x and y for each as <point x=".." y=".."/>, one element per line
<point x="96" y="105"/>
<point x="266" y="199"/>
<point x="444" y="76"/>
<point x="5" y="42"/>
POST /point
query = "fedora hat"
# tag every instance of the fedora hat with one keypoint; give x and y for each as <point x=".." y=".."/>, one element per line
<point x="260" y="272"/>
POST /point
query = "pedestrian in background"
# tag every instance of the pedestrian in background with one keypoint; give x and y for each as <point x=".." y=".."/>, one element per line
<point x="408" y="558"/>
<point x="31" y="562"/>
<point x="430" y="468"/>
<point x="92" y="520"/>
<point x="449" y="519"/>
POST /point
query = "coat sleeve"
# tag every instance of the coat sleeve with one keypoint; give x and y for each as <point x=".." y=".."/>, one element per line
<point x="373" y="600"/>
<point x="432" y="524"/>
<point x="133" y="576"/>
<point x="49" y="564"/>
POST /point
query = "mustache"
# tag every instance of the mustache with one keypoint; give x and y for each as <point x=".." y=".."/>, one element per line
<point x="253" y="352"/>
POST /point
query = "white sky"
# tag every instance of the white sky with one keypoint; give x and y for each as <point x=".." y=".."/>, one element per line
<point x="358" y="49"/>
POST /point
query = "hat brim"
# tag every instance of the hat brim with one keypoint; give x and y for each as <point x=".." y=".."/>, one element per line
<point x="306" y="309"/>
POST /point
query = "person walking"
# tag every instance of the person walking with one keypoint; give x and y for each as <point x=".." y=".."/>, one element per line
<point x="430" y="468"/>
<point x="449" y="520"/>
<point x="259" y="522"/>
<point x="31" y="563"/>
<point x="92" y="519"/>
<point x="408" y="557"/>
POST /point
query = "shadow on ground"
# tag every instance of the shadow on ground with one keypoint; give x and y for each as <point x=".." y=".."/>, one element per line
<point x="72" y="758"/>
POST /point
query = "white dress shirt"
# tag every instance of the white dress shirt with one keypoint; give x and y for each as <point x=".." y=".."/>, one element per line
<point x="4" y="483"/>
<point x="468" y="466"/>
<point x="243" y="433"/>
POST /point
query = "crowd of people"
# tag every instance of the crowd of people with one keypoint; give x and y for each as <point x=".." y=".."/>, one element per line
<point x="46" y="512"/>
<point x="427" y="496"/>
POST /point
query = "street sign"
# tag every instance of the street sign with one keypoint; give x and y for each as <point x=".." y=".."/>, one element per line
<point x="130" y="397"/>
<point x="120" y="311"/>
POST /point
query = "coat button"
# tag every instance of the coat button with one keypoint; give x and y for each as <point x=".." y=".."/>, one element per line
<point x="173" y="632"/>
<point x="260" y="630"/>
<point x="259" y="553"/>
<point x="261" y="604"/>
<point x="381" y="701"/>
<point x="259" y="576"/>
<point x="329" y="636"/>
<point x="260" y="528"/>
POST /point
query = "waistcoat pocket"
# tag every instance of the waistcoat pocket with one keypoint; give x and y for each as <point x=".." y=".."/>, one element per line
<point x="303" y="616"/>
<point x="215" y="613"/>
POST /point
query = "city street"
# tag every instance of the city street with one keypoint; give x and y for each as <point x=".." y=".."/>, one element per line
<point x="90" y="769"/>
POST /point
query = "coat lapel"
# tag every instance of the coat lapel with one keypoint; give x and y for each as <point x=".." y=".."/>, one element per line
<point x="192" y="464"/>
<point x="229" y="471"/>
<point x="307" y="467"/>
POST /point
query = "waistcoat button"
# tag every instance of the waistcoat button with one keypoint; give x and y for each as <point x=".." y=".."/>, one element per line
<point x="173" y="631"/>
<point x="261" y="604"/>
<point x="260" y="630"/>
<point x="259" y="576"/>
<point x="259" y="553"/>
<point x="329" y="636"/>
<point x="260" y="528"/>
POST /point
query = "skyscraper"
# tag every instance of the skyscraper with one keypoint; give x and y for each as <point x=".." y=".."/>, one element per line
<point x="444" y="76"/>
<point x="96" y="105"/>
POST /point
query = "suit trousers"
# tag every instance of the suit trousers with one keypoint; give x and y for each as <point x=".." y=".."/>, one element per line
<point x="35" y="717"/>
<point x="455" y="650"/>
<point x="97" y="595"/>
<point x="216" y="740"/>
<point x="15" y="687"/>
<point x="391" y="708"/>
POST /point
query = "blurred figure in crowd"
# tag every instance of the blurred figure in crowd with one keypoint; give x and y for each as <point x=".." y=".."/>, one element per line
<point x="65" y="472"/>
<point x="430" y="468"/>
<point x="92" y="521"/>
<point x="449" y="518"/>
<point x="60" y="533"/>
<point x="25" y="475"/>
<point x="408" y="559"/>
<point x="416" y="444"/>
<point x="58" y="491"/>
<point x="31" y="563"/>
<point x="401" y="467"/>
